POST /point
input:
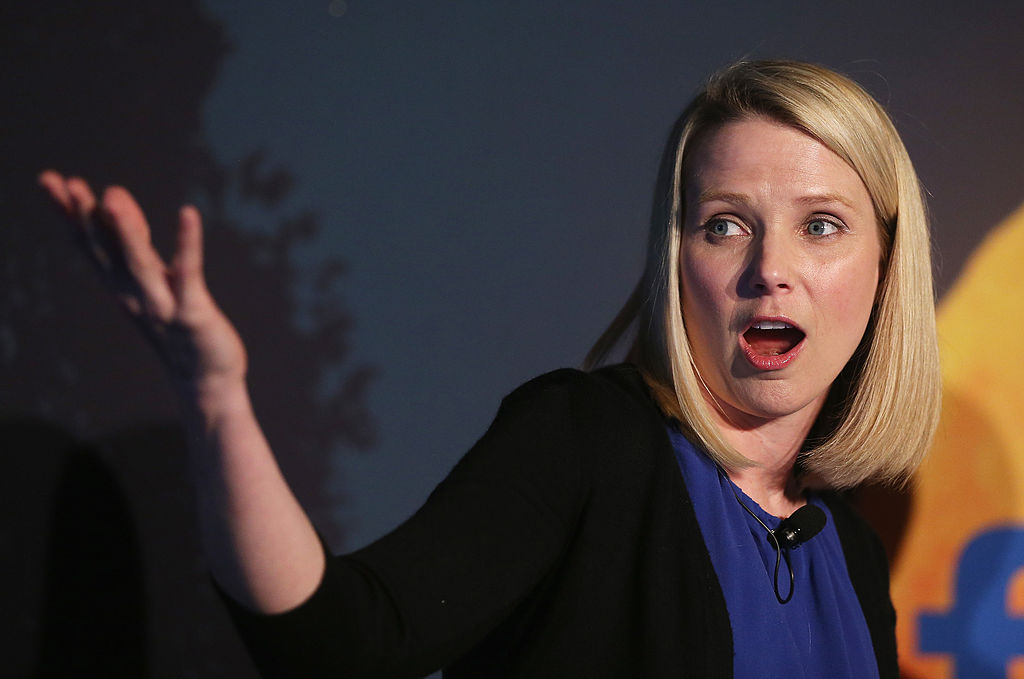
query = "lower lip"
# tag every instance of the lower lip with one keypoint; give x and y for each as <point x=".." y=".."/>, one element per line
<point x="777" y="362"/>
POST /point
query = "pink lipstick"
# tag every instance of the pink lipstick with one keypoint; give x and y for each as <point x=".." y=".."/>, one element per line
<point x="771" y="343"/>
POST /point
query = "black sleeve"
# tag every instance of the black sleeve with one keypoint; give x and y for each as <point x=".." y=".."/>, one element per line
<point x="421" y="596"/>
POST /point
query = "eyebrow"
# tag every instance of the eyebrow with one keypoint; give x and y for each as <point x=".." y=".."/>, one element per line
<point x="710" y="195"/>
<point x="820" y="198"/>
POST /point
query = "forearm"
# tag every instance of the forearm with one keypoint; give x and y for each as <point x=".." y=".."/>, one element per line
<point x="260" y="545"/>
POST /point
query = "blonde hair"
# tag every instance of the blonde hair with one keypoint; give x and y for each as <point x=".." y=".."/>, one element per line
<point x="882" y="410"/>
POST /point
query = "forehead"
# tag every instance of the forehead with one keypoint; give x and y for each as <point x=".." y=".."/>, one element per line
<point x="762" y="159"/>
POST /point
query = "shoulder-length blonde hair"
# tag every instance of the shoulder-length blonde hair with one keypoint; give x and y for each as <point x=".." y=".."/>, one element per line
<point x="883" y="408"/>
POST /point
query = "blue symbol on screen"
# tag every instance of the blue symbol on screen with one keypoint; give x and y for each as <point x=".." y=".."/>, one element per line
<point x="978" y="631"/>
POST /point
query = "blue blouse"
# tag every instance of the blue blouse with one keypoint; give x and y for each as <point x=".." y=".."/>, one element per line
<point x="821" y="631"/>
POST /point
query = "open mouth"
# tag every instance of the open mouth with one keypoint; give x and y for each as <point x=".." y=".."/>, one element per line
<point x="772" y="338"/>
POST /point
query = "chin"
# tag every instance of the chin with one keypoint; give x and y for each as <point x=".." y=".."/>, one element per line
<point x="776" y="399"/>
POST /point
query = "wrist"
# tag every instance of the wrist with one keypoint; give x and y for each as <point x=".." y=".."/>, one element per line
<point x="211" y="398"/>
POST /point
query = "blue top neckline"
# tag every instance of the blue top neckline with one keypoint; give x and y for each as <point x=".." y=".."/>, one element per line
<point x="822" y="630"/>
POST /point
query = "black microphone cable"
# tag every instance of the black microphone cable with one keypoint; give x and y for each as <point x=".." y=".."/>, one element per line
<point x="794" y="530"/>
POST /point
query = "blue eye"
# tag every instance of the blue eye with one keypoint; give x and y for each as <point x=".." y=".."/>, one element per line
<point x="821" y="227"/>
<point x="723" y="227"/>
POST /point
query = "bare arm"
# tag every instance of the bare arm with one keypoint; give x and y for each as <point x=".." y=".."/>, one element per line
<point x="260" y="544"/>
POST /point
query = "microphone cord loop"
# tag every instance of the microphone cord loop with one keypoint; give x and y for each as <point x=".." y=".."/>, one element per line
<point x="780" y="554"/>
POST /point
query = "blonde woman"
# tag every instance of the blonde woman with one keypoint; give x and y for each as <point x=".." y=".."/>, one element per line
<point x="670" y="516"/>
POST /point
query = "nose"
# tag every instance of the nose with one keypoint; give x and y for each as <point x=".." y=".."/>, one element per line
<point x="771" y="265"/>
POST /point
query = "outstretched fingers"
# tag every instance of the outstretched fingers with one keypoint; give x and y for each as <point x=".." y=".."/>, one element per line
<point x="75" y="200"/>
<point x="115" y="234"/>
<point x="84" y="214"/>
<point x="139" y="274"/>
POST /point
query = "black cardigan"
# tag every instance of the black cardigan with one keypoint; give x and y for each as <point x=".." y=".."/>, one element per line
<point x="564" y="544"/>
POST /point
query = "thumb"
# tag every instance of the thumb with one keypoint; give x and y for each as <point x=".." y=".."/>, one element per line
<point x="188" y="260"/>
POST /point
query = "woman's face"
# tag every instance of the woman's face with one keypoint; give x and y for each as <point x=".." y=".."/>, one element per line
<point x="779" y="266"/>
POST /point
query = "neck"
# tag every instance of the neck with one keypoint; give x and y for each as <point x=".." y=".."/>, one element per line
<point x="777" y="491"/>
<point x="772" y="444"/>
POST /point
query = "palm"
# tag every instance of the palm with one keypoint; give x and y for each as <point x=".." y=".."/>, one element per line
<point x="169" y="302"/>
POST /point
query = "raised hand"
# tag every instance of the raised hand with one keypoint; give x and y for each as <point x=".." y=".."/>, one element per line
<point x="259" y="543"/>
<point x="170" y="303"/>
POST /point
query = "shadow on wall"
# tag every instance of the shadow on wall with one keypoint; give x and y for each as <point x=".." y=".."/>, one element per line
<point x="113" y="93"/>
<point x="69" y="521"/>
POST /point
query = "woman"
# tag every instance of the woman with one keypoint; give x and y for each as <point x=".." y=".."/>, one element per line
<point x="625" y="521"/>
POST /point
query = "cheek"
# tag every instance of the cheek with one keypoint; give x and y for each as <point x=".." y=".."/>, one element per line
<point x="702" y="293"/>
<point x="852" y="299"/>
<point x="708" y="307"/>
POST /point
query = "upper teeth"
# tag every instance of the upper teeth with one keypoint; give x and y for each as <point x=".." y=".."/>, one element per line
<point x="771" y="325"/>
